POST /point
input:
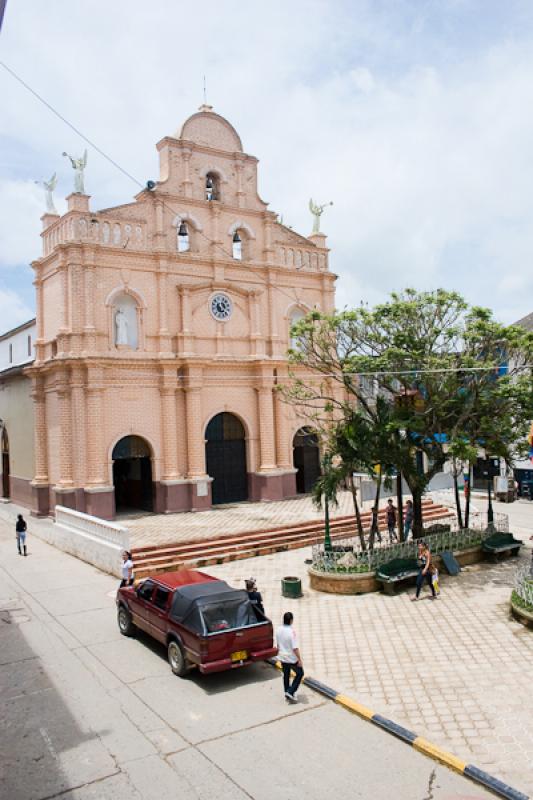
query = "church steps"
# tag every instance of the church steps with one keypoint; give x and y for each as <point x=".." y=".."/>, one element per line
<point x="430" y="510"/>
<point x="200" y="554"/>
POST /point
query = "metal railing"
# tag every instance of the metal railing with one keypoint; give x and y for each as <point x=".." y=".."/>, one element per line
<point x="524" y="585"/>
<point x="451" y="537"/>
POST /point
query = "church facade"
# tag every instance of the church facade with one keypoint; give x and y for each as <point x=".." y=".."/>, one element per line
<point x="162" y="327"/>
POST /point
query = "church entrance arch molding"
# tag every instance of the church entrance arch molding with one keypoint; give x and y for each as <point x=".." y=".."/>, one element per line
<point x="133" y="474"/>
<point x="225" y="455"/>
<point x="306" y="459"/>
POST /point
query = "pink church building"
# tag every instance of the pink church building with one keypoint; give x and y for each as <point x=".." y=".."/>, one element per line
<point x="162" y="327"/>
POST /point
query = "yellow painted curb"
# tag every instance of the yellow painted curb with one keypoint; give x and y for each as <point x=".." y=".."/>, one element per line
<point x="438" y="754"/>
<point x="351" y="705"/>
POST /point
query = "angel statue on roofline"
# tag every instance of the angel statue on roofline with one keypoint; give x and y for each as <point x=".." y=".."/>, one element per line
<point x="49" y="187"/>
<point x="317" y="211"/>
<point x="78" y="164"/>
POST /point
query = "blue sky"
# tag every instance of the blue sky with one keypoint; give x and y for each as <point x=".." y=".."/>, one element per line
<point x="415" y="118"/>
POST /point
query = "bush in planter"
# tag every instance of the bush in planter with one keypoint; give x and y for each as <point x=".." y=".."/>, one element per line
<point x="437" y="527"/>
<point x="516" y="600"/>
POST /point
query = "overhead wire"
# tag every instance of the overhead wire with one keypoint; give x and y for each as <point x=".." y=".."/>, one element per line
<point x="118" y="166"/>
<point x="222" y="249"/>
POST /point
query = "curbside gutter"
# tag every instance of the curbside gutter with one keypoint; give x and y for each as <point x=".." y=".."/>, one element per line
<point x="418" y="742"/>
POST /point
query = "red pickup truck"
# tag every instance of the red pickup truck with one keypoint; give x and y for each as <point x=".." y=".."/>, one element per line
<point x="201" y="620"/>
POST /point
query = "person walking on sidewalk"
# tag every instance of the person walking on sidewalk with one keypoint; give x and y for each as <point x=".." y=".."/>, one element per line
<point x="289" y="655"/>
<point x="127" y="569"/>
<point x="425" y="571"/>
<point x="20" y="529"/>
<point x="408" y="520"/>
<point x="391" y="521"/>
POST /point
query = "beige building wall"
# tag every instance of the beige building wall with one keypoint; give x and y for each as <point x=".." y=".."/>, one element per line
<point x="16" y="413"/>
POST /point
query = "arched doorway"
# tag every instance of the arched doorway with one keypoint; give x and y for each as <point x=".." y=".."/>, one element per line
<point x="225" y="453"/>
<point x="132" y="474"/>
<point x="306" y="459"/>
<point x="5" y="465"/>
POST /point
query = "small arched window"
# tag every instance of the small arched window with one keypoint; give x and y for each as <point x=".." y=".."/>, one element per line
<point x="295" y="317"/>
<point x="212" y="186"/>
<point x="236" y="248"/>
<point x="183" y="240"/>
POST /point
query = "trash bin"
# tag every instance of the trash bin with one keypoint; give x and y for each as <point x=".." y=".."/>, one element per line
<point x="291" y="587"/>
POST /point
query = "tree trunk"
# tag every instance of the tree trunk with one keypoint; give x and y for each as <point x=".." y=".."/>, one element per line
<point x="457" y="499"/>
<point x="360" y="530"/>
<point x="468" y="494"/>
<point x="418" y="528"/>
<point x="399" y="500"/>
<point x="375" y="511"/>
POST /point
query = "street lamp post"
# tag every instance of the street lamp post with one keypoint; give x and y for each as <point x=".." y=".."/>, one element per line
<point x="490" y="511"/>
<point x="326" y="466"/>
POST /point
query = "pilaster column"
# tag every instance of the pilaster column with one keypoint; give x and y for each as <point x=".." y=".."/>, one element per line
<point x="187" y="183"/>
<point x="95" y="430"/>
<point x="40" y="437"/>
<point x="39" y="304"/>
<point x="240" y="192"/>
<point x="65" y="436"/>
<point x="195" y="433"/>
<point x="79" y="426"/>
<point x="169" y="430"/>
<point x="265" y="410"/>
<point x="283" y="443"/>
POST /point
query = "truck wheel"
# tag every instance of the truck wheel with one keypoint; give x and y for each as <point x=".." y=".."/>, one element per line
<point x="125" y="625"/>
<point x="176" y="659"/>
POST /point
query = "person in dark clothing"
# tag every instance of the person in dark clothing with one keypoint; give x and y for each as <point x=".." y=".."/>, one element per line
<point x="20" y="529"/>
<point x="255" y="597"/>
<point x="391" y="521"/>
<point x="425" y="572"/>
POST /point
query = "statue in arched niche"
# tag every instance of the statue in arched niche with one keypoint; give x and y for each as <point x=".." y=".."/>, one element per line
<point x="121" y="327"/>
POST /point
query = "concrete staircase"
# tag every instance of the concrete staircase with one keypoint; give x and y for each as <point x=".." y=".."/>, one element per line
<point x="150" y="560"/>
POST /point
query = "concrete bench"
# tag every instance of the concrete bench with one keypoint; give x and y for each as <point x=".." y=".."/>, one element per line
<point x="500" y="543"/>
<point x="396" y="572"/>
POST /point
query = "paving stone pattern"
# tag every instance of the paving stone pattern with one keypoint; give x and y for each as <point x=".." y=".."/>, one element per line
<point x="457" y="670"/>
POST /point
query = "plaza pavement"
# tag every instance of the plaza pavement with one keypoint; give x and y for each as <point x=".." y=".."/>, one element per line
<point x="457" y="670"/>
<point x="87" y="714"/>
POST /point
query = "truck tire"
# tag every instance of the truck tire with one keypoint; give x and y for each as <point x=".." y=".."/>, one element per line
<point x="125" y="624"/>
<point x="176" y="658"/>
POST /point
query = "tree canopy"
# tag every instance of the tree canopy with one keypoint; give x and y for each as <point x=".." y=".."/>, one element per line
<point x="416" y="380"/>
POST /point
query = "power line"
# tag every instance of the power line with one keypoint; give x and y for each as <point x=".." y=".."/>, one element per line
<point x="112" y="161"/>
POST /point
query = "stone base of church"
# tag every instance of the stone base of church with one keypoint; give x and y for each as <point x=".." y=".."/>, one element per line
<point x="275" y="485"/>
<point x="40" y="503"/>
<point x="99" y="502"/>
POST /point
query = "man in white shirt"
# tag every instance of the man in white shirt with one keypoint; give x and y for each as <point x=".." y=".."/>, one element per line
<point x="289" y="655"/>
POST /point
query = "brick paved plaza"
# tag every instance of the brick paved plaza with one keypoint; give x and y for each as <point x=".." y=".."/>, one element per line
<point x="457" y="670"/>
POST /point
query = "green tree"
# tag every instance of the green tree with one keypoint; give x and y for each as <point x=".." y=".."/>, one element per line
<point x="431" y="363"/>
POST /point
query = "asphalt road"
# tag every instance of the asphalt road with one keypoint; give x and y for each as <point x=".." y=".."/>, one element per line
<point x="86" y="714"/>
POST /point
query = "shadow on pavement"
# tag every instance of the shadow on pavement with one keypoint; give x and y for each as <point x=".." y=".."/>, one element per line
<point x="219" y="681"/>
<point x="39" y="737"/>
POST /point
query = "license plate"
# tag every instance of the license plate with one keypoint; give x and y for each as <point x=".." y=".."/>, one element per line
<point x="239" y="655"/>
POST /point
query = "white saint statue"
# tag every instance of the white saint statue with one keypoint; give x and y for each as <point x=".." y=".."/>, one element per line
<point x="121" y="326"/>
<point x="78" y="164"/>
<point x="316" y="211"/>
<point x="49" y="187"/>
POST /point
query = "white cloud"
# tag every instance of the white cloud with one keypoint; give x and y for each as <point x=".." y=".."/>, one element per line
<point x="421" y="138"/>
<point x="13" y="310"/>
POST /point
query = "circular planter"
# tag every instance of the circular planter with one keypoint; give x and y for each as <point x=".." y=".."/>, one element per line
<point x="343" y="583"/>
<point x="522" y="615"/>
<point x="291" y="587"/>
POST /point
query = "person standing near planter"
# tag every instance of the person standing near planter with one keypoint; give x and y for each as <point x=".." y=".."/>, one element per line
<point x="289" y="655"/>
<point x="127" y="569"/>
<point x="408" y="520"/>
<point x="391" y="521"/>
<point x="425" y="571"/>
<point x="20" y="532"/>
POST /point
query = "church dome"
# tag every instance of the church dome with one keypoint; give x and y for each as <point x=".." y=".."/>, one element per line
<point x="210" y="129"/>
